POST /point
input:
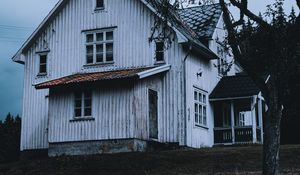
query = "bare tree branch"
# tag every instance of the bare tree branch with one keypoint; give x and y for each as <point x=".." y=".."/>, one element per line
<point x="298" y="3"/>
<point x="243" y="9"/>
<point x="233" y="42"/>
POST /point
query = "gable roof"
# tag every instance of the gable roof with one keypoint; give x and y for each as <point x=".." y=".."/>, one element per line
<point x="179" y="26"/>
<point x="234" y="87"/>
<point x="202" y="19"/>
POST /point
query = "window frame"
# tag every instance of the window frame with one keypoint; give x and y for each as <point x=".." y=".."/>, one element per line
<point x="162" y="52"/>
<point x="200" y="106"/>
<point x="95" y="43"/>
<point x="83" y="106"/>
<point x="99" y="7"/>
<point x="40" y="55"/>
<point x="221" y="61"/>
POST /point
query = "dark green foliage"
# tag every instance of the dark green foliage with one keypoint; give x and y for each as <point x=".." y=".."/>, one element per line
<point x="10" y="131"/>
<point x="277" y="49"/>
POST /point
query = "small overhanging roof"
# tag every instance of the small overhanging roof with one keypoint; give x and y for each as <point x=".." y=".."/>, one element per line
<point x="234" y="87"/>
<point x="133" y="73"/>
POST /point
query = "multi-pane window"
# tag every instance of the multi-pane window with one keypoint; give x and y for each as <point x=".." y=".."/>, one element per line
<point x="83" y="104"/>
<point x="159" y="51"/>
<point x="200" y="107"/>
<point x="43" y="64"/>
<point x="99" y="47"/>
<point x="99" y="4"/>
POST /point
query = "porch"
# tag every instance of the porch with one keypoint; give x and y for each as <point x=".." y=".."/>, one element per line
<point x="238" y="112"/>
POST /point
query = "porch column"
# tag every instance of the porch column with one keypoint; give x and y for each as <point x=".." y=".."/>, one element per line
<point x="232" y="121"/>
<point x="260" y="119"/>
<point x="253" y="113"/>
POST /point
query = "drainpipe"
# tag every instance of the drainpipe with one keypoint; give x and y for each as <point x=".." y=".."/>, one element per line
<point x="184" y="94"/>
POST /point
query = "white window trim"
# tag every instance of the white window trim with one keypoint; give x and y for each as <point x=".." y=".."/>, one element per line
<point x="82" y="108"/>
<point x="99" y="8"/>
<point x="164" y="53"/>
<point x="203" y="105"/>
<point x="95" y="42"/>
<point x="43" y="53"/>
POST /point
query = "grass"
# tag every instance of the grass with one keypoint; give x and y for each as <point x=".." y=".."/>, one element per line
<point x="220" y="160"/>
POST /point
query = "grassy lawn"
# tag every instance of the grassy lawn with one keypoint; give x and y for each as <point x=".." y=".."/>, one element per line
<point x="229" y="160"/>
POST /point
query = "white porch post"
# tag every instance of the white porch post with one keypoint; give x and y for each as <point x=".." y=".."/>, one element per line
<point x="260" y="119"/>
<point x="253" y="113"/>
<point x="232" y="121"/>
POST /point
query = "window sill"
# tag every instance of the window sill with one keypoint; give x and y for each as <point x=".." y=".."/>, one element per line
<point x="201" y="126"/>
<point x="41" y="75"/>
<point x="159" y="62"/>
<point x="98" y="64"/>
<point x="99" y="9"/>
<point x="78" y="119"/>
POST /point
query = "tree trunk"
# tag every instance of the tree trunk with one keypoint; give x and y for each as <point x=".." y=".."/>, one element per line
<point x="272" y="133"/>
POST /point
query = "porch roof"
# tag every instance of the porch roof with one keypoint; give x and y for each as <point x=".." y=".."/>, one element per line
<point x="231" y="87"/>
<point x="131" y="73"/>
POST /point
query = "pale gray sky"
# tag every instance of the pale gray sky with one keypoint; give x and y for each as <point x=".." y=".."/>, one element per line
<point x="18" y="19"/>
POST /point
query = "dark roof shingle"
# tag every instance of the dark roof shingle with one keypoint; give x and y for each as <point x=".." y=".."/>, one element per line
<point x="235" y="86"/>
<point x="202" y="19"/>
<point x="92" y="77"/>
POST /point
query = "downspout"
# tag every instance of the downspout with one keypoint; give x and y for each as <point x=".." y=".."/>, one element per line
<point x="184" y="94"/>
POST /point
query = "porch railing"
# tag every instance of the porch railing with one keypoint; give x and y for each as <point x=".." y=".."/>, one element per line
<point x="223" y="135"/>
<point x="242" y="134"/>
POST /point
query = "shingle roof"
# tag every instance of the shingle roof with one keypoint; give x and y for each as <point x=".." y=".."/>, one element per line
<point x="235" y="86"/>
<point x="202" y="19"/>
<point x="92" y="77"/>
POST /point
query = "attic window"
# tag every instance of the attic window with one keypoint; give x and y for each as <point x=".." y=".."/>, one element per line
<point x="43" y="64"/>
<point x="100" y="4"/>
<point x="159" y="52"/>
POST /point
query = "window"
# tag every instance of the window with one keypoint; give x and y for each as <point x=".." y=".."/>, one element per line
<point x="99" y="47"/>
<point x="221" y="61"/>
<point x="83" y="104"/>
<point x="159" y="52"/>
<point x="43" y="64"/>
<point x="200" y="107"/>
<point x="99" y="4"/>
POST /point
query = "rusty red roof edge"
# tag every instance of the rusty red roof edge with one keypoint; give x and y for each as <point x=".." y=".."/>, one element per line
<point x="92" y="77"/>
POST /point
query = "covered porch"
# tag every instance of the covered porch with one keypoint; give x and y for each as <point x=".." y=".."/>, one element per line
<point x="238" y="111"/>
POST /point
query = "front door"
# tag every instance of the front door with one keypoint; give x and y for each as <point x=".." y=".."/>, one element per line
<point x="153" y="119"/>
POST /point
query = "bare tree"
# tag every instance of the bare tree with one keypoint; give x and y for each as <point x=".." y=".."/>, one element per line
<point x="279" y="59"/>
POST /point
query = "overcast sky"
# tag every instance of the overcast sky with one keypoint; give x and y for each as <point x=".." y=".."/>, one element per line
<point x="18" y="19"/>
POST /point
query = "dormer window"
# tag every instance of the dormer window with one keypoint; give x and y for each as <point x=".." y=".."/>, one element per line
<point x="159" y="51"/>
<point x="99" y="4"/>
<point x="99" y="47"/>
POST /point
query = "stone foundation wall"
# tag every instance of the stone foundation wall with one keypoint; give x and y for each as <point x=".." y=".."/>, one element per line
<point x="97" y="147"/>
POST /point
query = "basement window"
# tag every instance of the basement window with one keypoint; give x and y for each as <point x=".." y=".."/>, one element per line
<point x="83" y="105"/>
<point x="200" y="107"/>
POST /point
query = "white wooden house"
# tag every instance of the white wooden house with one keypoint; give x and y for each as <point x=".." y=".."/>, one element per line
<point x="95" y="84"/>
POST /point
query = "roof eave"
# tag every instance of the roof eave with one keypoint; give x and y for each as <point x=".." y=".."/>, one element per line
<point x="33" y="36"/>
<point x="230" y="98"/>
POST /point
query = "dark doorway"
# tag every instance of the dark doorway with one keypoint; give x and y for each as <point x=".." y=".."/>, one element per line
<point x="153" y="119"/>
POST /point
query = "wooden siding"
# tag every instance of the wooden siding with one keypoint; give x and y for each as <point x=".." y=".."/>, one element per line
<point x="64" y="39"/>
<point x="111" y="110"/>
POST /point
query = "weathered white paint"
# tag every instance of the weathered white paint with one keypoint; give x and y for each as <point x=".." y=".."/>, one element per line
<point x="118" y="112"/>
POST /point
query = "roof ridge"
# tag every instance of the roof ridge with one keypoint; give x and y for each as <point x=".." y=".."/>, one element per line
<point x="199" y="6"/>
